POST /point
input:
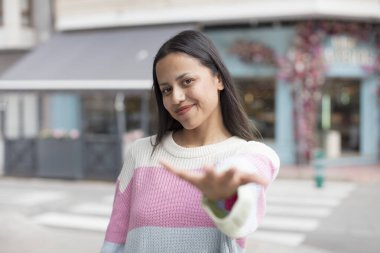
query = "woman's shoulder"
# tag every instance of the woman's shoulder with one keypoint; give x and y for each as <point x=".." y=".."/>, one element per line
<point x="143" y="144"/>
<point x="259" y="148"/>
<point x="144" y="141"/>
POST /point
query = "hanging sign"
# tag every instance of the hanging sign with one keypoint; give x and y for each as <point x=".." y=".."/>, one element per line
<point x="346" y="50"/>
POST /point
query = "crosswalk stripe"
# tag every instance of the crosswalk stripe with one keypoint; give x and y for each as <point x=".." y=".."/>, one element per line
<point x="73" y="221"/>
<point x="319" y="212"/>
<point x="333" y="189"/>
<point x="108" y="199"/>
<point x="92" y="208"/>
<point x="289" y="223"/>
<point x="310" y="194"/>
<point x="291" y="200"/>
<point x="36" y="198"/>
<point x="286" y="238"/>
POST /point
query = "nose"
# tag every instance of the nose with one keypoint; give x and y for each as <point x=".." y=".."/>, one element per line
<point x="178" y="95"/>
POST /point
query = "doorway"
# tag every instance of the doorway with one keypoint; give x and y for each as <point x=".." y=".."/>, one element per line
<point x="339" y="117"/>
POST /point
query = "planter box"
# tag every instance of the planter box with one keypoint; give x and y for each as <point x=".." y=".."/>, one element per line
<point x="20" y="157"/>
<point x="59" y="158"/>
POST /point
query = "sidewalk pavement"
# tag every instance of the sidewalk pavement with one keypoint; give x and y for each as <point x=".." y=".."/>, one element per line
<point x="19" y="233"/>
<point x="26" y="236"/>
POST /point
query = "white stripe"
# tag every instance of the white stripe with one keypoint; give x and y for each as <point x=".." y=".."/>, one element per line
<point x="73" y="221"/>
<point x="304" y="186"/>
<point x="92" y="208"/>
<point x="37" y="198"/>
<point x="317" y="212"/>
<point x="304" y="201"/>
<point x="108" y="199"/>
<point x="310" y="193"/>
<point x="289" y="223"/>
<point x="286" y="238"/>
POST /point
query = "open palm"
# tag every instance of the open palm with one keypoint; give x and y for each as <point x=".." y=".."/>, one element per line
<point x="216" y="185"/>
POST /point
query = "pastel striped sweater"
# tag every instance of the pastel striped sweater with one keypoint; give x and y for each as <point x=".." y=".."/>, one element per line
<point x="155" y="211"/>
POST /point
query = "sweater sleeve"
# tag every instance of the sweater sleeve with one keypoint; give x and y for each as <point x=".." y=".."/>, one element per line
<point x="117" y="229"/>
<point x="245" y="214"/>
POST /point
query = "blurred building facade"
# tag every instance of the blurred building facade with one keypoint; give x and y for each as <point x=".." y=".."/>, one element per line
<point x="306" y="71"/>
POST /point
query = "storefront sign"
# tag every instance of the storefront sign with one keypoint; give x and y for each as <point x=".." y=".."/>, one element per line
<point x="346" y="50"/>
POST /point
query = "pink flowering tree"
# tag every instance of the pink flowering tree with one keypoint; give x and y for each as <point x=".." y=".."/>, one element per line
<point x="304" y="68"/>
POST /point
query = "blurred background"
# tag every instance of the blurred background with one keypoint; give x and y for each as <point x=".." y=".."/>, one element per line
<point x="75" y="90"/>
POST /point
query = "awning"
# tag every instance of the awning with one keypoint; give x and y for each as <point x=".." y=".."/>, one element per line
<point x="93" y="59"/>
<point x="9" y="57"/>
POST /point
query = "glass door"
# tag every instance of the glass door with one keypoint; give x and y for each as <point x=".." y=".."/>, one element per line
<point x="339" y="119"/>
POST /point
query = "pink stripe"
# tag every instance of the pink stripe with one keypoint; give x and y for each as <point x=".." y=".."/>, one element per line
<point x="261" y="207"/>
<point x="241" y="242"/>
<point x="264" y="166"/>
<point x="163" y="200"/>
<point x="117" y="227"/>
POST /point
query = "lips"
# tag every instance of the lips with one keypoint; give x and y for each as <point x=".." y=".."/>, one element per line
<point x="183" y="109"/>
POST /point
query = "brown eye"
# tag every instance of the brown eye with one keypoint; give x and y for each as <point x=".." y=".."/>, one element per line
<point x="187" y="81"/>
<point x="166" y="90"/>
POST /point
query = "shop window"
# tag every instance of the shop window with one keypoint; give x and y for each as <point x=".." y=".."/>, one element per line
<point x="26" y="12"/>
<point x="153" y="114"/>
<point x="259" y="102"/>
<point x="133" y="113"/>
<point x="340" y="114"/>
<point x="99" y="114"/>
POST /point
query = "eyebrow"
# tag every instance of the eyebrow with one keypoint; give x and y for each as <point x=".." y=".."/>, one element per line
<point x="177" y="78"/>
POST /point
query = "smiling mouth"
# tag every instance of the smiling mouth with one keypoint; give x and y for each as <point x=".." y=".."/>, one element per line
<point x="183" y="110"/>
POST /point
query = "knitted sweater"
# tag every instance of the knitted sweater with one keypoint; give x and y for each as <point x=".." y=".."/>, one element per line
<point x="155" y="211"/>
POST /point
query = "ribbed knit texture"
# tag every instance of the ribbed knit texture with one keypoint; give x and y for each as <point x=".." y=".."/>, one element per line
<point x="155" y="211"/>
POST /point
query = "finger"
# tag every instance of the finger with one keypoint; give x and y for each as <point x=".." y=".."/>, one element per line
<point x="209" y="173"/>
<point x="231" y="172"/>
<point x="183" y="174"/>
<point x="246" y="178"/>
<point x="228" y="175"/>
<point x="168" y="167"/>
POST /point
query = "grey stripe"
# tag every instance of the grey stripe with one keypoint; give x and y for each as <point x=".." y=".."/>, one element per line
<point x="109" y="247"/>
<point x="176" y="240"/>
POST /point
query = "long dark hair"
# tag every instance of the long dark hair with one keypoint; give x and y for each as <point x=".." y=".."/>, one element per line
<point x="198" y="46"/>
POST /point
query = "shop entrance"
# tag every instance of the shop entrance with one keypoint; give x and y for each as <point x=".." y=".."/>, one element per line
<point x="339" y="120"/>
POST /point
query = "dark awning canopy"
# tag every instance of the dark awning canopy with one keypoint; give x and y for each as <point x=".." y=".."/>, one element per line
<point x="117" y="56"/>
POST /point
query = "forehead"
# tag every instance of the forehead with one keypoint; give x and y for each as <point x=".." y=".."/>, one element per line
<point x="177" y="59"/>
<point x="177" y="63"/>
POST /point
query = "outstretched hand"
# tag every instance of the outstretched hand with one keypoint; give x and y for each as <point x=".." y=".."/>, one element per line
<point x="216" y="185"/>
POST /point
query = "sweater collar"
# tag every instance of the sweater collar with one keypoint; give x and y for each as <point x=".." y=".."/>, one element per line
<point x="179" y="151"/>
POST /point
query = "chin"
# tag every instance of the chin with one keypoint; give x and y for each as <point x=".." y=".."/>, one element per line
<point x="189" y="126"/>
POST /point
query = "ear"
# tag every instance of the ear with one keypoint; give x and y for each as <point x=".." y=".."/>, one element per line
<point x="220" y="84"/>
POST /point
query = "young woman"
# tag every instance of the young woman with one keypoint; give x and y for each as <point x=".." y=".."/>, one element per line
<point x="199" y="184"/>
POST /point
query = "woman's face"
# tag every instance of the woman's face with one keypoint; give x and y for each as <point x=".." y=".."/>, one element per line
<point x="190" y="91"/>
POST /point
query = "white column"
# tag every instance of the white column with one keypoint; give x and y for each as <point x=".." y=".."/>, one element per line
<point x="30" y="115"/>
<point x="12" y="17"/>
<point x="12" y="117"/>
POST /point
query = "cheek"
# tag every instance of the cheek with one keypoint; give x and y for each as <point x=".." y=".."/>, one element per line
<point x="209" y="97"/>
<point x="166" y="104"/>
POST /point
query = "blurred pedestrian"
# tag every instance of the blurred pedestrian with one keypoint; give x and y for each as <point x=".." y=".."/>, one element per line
<point x="199" y="184"/>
